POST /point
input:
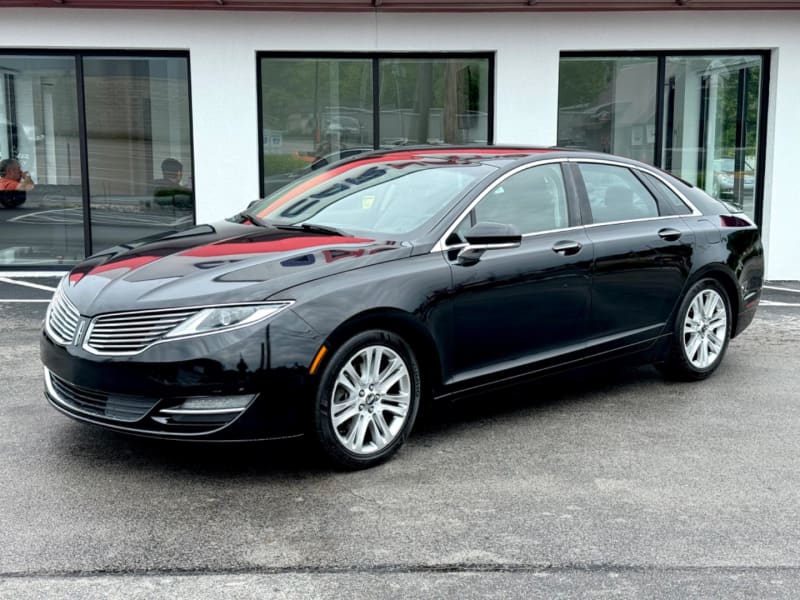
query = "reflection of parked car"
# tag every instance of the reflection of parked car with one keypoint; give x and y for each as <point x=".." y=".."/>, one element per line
<point x="340" y="304"/>
<point x="274" y="182"/>
<point x="724" y="178"/>
<point x="344" y="128"/>
<point x="12" y="198"/>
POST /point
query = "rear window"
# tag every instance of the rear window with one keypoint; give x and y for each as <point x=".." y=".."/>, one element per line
<point x="668" y="196"/>
<point x="616" y="195"/>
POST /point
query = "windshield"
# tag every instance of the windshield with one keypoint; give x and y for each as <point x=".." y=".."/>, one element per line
<point x="373" y="195"/>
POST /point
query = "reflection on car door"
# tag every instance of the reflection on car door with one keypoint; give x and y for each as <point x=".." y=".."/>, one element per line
<point x="642" y="257"/>
<point x="518" y="306"/>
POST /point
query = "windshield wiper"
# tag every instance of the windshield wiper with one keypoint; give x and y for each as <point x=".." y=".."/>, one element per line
<point x="313" y="228"/>
<point x="253" y="218"/>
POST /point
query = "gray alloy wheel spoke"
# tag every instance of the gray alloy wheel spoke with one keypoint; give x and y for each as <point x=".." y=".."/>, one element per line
<point x="380" y="430"/>
<point x="692" y="325"/>
<point x="357" y="432"/>
<point x="692" y="347"/>
<point x="718" y="321"/>
<point x="347" y="382"/>
<point x="711" y="305"/>
<point x="714" y="342"/>
<point x="349" y="377"/>
<point x="391" y="375"/>
<point x="366" y="366"/>
<point x="370" y="399"/>
<point x="703" y="357"/>
<point x="374" y="374"/>
<point x="705" y="329"/>
<point x="344" y="412"/>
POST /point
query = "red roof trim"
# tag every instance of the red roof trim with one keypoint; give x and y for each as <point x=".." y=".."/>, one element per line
<point x="415" y="5"/>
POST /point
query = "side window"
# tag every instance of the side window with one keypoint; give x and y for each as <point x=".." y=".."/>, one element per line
<point x="668" y="196"/>
<point x="533" y="200"/>
<point x="615" y="194"/>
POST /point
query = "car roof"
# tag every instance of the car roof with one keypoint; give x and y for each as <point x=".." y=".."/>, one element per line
<point x="501" y="156"/>
<point x="473" y="152"/>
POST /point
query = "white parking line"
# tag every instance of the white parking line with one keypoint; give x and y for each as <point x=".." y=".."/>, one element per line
<point x="75" y="220"/>
<point x="781" y="289"/>
<point x="772" y="303"/>
<point x="33" y="274"/>
<point x="36" y="286"/>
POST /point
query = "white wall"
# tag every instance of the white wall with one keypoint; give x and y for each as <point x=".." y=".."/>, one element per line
<point x="223" y="46"/>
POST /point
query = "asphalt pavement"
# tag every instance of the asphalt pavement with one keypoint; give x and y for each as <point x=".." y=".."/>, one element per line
<point x="604" y="483"/>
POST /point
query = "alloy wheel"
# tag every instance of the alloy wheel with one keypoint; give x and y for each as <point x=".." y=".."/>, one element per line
<point x="370" y="399"/>
<point x="705" y="329"/>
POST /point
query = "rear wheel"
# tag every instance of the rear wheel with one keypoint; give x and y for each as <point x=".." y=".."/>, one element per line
<point x="367" y="400"/>
<point x="702" y="331"/>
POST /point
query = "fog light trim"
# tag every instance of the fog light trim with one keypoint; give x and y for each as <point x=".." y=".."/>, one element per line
<point x="210" y="405"/>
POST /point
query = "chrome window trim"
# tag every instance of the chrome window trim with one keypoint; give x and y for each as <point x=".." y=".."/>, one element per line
<point x="656" y="174"/>
<point x="440" y="246"/>
<point x="642" y="220"/>
<point x="87" y="336"/>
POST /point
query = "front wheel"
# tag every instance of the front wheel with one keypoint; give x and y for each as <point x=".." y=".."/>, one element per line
<point x="367" y="400"/>
<point x="702" y="331"/>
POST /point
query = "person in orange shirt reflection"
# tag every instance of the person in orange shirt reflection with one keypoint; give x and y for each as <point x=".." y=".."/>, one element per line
<point x="13" y="178"/>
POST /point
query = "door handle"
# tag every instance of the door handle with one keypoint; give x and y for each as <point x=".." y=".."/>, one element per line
<point x="669" y="234"/>
<point x="566" y="248"/>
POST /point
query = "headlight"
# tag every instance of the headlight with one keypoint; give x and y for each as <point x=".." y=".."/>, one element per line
<point x="222" y="318"/>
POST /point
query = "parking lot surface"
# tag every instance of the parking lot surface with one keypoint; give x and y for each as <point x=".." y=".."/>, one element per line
<point x="602" y="483"/>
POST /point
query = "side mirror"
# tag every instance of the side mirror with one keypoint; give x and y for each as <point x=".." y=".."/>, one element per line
<point x="488" y="236"/>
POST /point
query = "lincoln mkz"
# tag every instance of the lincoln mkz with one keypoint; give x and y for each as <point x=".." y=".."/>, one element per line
<point x="341" y="303"/>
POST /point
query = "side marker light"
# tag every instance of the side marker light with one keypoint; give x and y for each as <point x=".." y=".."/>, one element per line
<point x="317" y="360"/>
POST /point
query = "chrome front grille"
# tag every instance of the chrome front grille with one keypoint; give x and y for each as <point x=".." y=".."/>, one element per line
<point x="129" y="333"/>
<point x="92" y="402"/>
<point x="62" y="319"/>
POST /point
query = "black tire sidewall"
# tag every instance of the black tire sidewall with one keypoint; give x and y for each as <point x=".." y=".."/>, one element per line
<point x="325" y="435"/>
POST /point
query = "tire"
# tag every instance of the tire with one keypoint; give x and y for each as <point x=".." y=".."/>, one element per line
<point x="701" y="333"/>
<point x="367" y="400"/>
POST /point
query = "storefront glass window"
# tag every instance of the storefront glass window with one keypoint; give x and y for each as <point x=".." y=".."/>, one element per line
<point x="316" y="110"/>
<point x="705" y="127"/>
<point x="139" y="150"/>
<point x="434" y="101"/>
<point x="606" y="104"/>
<point x="135" y="121"/>
<point x="39" y="130"/>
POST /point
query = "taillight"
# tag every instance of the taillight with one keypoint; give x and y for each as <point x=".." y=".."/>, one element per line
<point x="739" y="220"/>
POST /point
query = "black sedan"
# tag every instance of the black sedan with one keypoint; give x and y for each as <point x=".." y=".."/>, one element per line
<point x="339" y="304"/>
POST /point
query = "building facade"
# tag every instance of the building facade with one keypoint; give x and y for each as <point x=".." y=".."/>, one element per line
<point x="134" y="121"/>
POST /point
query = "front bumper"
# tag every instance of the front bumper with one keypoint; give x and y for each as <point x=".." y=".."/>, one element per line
<point x="255" y="379"/>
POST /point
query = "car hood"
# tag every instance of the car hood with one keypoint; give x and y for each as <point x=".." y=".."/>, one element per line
<point x="216" y="264"/>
